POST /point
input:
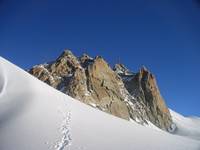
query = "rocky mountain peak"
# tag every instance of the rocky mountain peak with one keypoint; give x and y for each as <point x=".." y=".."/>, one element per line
<point x="85" y="60"/>
<point x="144" y="87"/>
<point x="144" y="68"/>
<point x="118" y="91"/>
<point x="85" y="57"/>
<point x="121" y="69"/>
<point x="100" y="61"/>
<point x="144" y="74"/>
<point x="66" y="52"/>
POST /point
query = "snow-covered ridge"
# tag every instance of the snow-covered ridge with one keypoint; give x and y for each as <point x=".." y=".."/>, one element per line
<point x="186" y="126"/>
<point x="35" y="116"/>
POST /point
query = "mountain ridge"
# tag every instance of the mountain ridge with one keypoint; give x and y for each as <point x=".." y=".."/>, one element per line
<point x="34" y="116"/>
<point x="118" y="91"/>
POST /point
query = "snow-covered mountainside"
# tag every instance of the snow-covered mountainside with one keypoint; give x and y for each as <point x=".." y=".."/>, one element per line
<point x="186" y="126"/>
<point x="35" y="116"/>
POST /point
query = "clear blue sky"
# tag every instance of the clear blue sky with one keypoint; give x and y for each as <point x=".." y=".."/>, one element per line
<point x="163" y="35"/>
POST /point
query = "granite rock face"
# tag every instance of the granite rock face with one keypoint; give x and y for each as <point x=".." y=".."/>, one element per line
<point x="118" y="91"/>
<point x="143" y="87"/>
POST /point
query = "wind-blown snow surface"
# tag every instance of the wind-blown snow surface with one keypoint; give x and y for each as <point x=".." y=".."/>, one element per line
<point x="186" y="126"/>
<point x="34" y="116"/>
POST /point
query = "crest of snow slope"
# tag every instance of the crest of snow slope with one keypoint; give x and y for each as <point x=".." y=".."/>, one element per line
<point x="34" y="116"/>
<point x="186" y="126"/>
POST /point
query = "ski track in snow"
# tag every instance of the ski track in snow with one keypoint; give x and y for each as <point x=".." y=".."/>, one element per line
<point x="65" y="141"/>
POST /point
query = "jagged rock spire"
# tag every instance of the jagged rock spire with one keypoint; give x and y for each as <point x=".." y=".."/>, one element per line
<point x="85" y="60"/>
<point x="144" y="68"/>
<point x="117" y="91"/>
<point x="143" y="86"/>
<point x="66" y="53"/>
<point x="122" y="70"/>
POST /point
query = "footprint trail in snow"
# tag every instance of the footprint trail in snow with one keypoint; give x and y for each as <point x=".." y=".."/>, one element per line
<point x="65" y="141"/>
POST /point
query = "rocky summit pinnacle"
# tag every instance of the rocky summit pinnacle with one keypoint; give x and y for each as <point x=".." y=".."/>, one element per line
<point x="121" y="69"/>
<point x="118" y="91"/>
<point x="144" y="88"/>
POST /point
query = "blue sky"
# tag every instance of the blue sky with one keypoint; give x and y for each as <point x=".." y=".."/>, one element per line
<point x="162" y="35"/>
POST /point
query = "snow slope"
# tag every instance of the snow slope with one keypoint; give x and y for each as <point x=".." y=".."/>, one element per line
<point x="34" y="116"/>
<point x="186" y="126"/>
